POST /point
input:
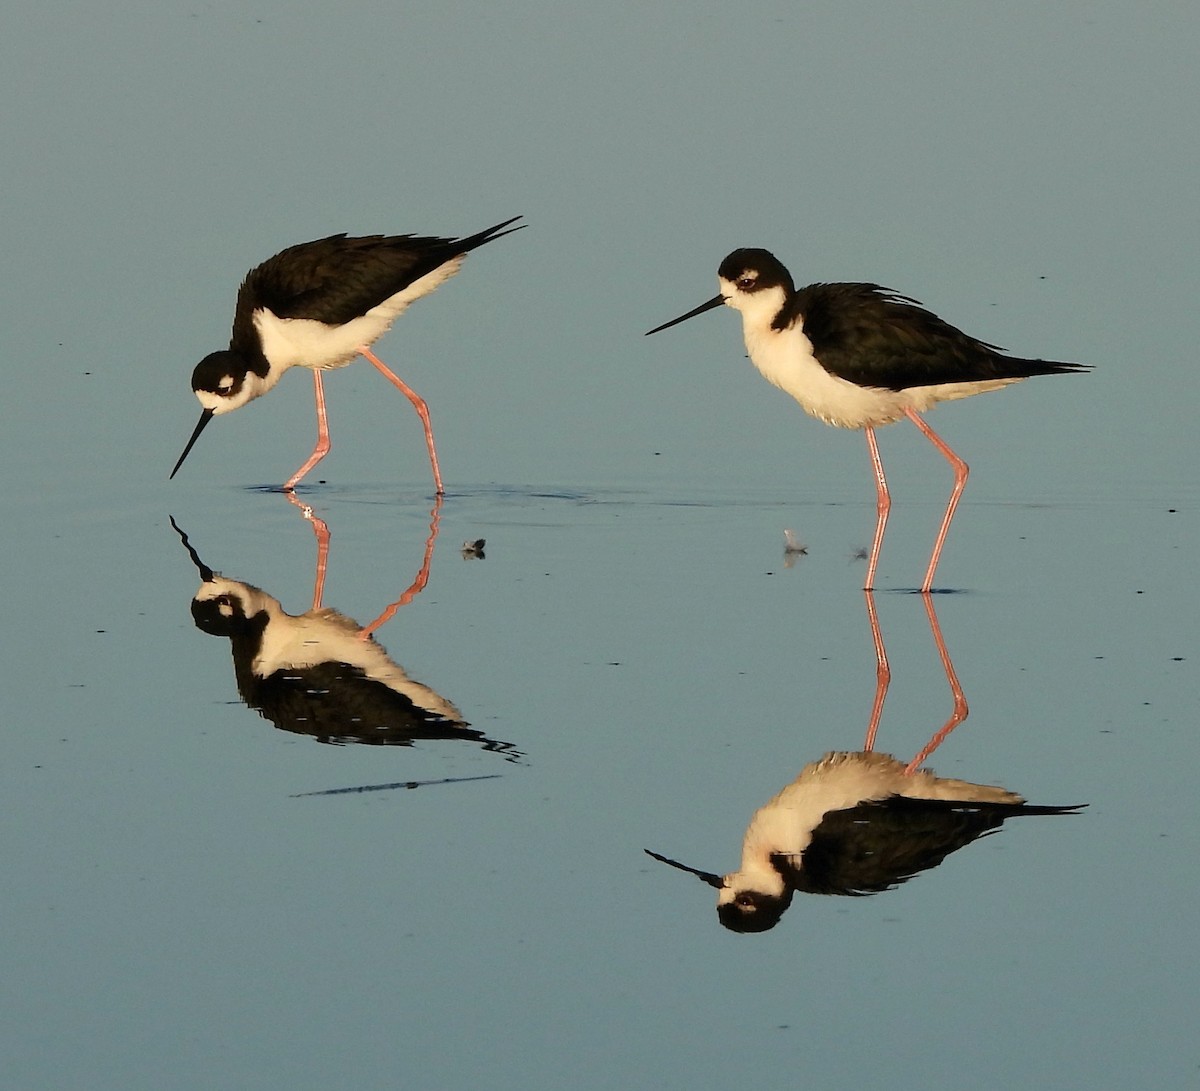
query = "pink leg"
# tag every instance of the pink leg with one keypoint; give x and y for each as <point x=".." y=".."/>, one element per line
<point x="961" y="471"/>
<point x="960" y="712"/>
<point x="883" y="672"/>
<point x="883" y="504"/>
<point x="419" y="405"/>
<point x="322" y="447"/>
<point x="321" y="530"/>
<point x="417" y="585"/>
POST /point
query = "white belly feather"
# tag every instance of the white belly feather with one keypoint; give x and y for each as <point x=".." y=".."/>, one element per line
<point x="305" y="342"/>
<point x="785" y="358"/>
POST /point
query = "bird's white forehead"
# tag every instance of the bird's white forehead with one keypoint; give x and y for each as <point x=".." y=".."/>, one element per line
<point x="218" y="588"/>
<point x="220" y="401"/>
<point x="758" y="306"/>
<point x="229" y="395"/>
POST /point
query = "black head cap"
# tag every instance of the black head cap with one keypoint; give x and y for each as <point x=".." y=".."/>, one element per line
<point x="765" y="268"/>
<point x="219" y="373"/>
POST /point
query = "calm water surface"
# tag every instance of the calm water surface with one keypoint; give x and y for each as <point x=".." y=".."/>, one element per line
<point x="185" y="912"/>
<point x="193" y="899"/>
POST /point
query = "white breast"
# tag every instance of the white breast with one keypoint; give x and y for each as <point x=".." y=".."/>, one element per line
<point x="304" y="342"/>
<point x="327" y="636"/>
<point x="785" y="358"/>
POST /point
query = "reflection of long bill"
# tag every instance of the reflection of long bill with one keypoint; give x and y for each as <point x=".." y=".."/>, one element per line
<point x="206" y="573"/>
<point x="205" y="417"/>
<point x="708" y="877"/>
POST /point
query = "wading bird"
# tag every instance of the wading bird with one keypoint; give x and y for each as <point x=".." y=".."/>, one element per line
<point x="859" y="356"/>
<point x="319" y="305"/>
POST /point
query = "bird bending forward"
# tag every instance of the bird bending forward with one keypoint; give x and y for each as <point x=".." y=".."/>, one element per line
<point x="319" y="305"/>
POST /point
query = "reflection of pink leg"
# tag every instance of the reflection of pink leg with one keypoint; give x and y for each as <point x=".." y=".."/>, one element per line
<point x="419" y="405"/>
<point x="883" y="504"/>
<point x="961" y="470"/>
<point x="322" y="447"/>
<point x="417" y="585"/>
<point x="960" y="712"/>
<point x="321" y="530"/>
<point x="883" y="673"/>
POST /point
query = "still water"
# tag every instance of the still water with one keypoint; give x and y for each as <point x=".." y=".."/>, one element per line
<point x="454" y="890"/>
<point x="338" y="798"/>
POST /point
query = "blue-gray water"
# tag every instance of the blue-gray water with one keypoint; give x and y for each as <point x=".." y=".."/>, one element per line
<point x="176" y="917"/>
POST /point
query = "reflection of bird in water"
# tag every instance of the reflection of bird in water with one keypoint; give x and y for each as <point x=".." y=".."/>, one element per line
<point x="322" y="674"/>
<point x="311" y="673"/>
<point x="858" y="822"/>
<point x="853" y="823"/>
<point x="860" y="356"/>
<point x="792" y="548"/>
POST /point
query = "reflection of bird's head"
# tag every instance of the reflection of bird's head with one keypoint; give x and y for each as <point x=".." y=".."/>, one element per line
<point x="224" y="607"/>
<point x="751" y="910"/>
<point x="747" y="901"/>
<point x="754" y="898"/>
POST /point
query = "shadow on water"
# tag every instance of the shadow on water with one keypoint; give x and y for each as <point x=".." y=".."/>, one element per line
<point x="360" y="788"/>
<point x="857" y="823"/>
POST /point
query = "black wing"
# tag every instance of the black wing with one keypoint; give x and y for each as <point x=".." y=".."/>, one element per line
<point x="871" y="336"/>
<point x="338" y="278"/>
<point x="332" y="701"/>
<point x="877" y="845"/>
<point x="338" y="703"/>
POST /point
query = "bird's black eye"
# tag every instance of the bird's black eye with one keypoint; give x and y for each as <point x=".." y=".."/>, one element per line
<point x="745" y="282"/>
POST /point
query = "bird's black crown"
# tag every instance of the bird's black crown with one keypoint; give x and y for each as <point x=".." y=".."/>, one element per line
<point x="219" y="373"/>
<point x="761" y="267"/>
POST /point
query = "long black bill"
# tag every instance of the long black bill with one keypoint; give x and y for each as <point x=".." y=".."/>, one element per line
<point x="712" y="880"/>
<point x="716" y="301"/>
<point x="205" y="417"/>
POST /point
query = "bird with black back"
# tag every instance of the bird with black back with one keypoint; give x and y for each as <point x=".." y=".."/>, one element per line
<point x="861" y="356"/>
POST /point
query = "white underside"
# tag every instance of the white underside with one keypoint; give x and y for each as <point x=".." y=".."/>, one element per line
<point x="323" y="636"/>
<point x="785" y="358"/>
<point x="303" y="342"/>
<point x="784" y="826"/>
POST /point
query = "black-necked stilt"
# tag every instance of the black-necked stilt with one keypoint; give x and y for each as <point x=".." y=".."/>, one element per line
<point x="858" y="356"/>
<point x="860" y="822"/>
<point x="853" y="823"/>
<point x="319" y="305"/>
<point x="322" y="674"/>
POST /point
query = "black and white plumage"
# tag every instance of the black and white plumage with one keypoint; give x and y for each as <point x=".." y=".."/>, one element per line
<point x="320" y="673"/>
<point x="861" y="356"/>
<point x="854" y="823"/>
<point x="319" y="305"/>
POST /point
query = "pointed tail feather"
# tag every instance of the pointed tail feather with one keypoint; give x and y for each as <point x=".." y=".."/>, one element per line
<point x="463" y="246"/>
